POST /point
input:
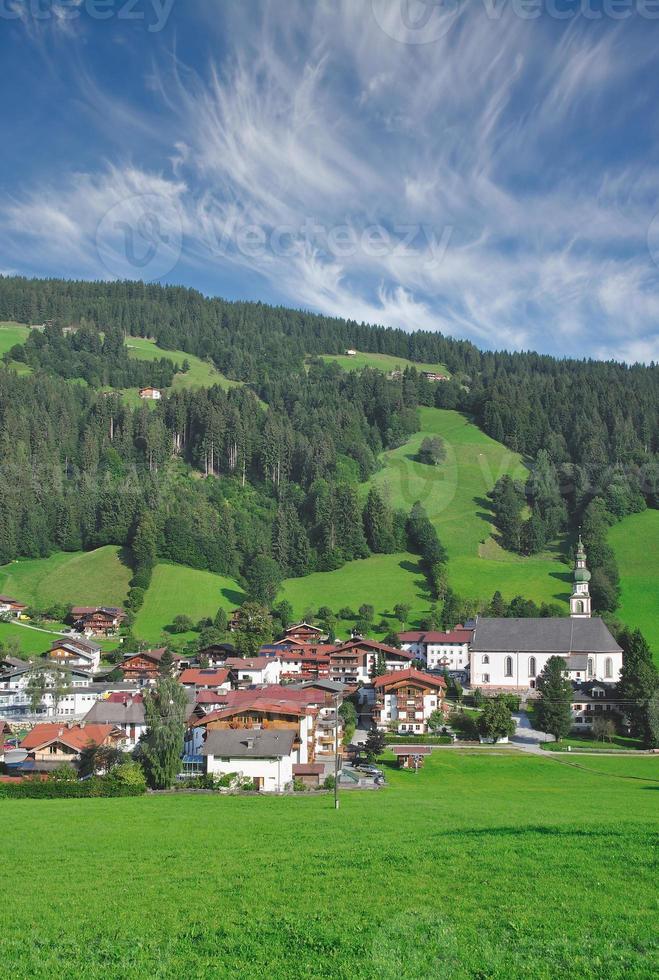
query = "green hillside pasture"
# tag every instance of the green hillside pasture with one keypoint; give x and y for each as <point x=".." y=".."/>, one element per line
<point x="10" y="335"/>
<point x="380" y="581"/>
<point x="635" y="541"/>
<point x="454" y="495"/>
<point x="381" y="362"/>
<point x="200" y="375"/>
<point x="178" y="590"/>
<point x="81" y="578"/>
<point x="493" y="882"/>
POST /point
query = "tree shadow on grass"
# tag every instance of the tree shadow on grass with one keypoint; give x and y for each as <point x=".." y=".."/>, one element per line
<point x="125" y="556"/>
<point x="233" y="596"/>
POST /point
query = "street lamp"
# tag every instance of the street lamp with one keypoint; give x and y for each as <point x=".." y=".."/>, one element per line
<point x="336" y="751"/>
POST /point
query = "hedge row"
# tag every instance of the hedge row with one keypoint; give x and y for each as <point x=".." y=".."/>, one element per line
<point x="418" y="739"/>
<point x="52" y="790"/>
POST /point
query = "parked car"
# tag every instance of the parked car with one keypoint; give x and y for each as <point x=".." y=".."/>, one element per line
<point x="369" y="770"/>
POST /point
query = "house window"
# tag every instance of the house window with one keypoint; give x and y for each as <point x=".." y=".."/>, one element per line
<point x="485" y="659"/>
<point x="608" y="667"/>
<point x="486" y="678"/>
<point x="508" y="667"/>
<point x="532" y="667"/>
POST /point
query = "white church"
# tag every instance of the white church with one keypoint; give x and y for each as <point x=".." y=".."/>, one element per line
<point x="509" y="654"/>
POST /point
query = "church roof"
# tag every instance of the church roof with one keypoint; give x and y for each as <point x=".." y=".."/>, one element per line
<point x="561" y="635"/>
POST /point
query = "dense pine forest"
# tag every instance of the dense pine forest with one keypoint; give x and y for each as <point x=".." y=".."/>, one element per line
<point x="292" y="443"/>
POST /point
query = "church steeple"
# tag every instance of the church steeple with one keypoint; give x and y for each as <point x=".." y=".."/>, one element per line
<point x="580" y="598"/>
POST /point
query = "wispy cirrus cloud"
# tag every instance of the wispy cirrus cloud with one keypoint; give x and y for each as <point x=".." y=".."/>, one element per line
<point x="460" y="185"/>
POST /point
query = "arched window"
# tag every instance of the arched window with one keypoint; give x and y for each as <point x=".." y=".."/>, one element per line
<point x="608" y="667"/>
<point x="485" y="659"/>
<point x="508" y="667"/>
<point x="532" y="667"/>
<point x="590" y="666"/>
<point x="578" y="606"/>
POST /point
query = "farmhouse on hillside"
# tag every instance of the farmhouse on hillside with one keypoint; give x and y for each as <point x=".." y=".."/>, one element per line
<point x="150" y="394"/>
<point x="11" y="608"/>
<point x="97" y="620"/>
<point x="144" y="667"/>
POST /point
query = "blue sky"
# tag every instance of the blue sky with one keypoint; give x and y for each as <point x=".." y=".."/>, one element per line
<point x="488" y="169"/>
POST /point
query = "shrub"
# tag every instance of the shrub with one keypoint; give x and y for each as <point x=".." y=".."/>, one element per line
<point x="299" y="786"/>
<point x="53" y="790"/>
<point x="347" y="613"/>
<point x="329" y="782"/>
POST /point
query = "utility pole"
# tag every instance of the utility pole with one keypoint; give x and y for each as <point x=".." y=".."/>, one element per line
<point x="336" y="751"/>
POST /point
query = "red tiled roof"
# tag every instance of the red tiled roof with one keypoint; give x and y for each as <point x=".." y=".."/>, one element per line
<point x="76" y="737"/>
<point x="409" y="674"/>
<point x="410" y="749"/>
<point x="210" y="697"/>
<point x="204" y="675"/>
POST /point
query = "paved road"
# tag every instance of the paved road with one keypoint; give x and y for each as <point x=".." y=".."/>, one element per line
<point x="526" y="737"/>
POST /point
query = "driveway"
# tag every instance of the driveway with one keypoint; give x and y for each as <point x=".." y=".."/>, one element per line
<point x="526" y="737"/>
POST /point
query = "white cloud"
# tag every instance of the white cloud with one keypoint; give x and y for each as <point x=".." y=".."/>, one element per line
<point x="321" y="119"/>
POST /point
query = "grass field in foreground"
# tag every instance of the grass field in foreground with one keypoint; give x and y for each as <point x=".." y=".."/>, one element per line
<point x="498" y="866"/>
<point x="381" y="362"/>
<point x="80" y="578"/>
<point x="635" y="541"/>
<point x="176" y="589"/>
<point x="454" y="495"/>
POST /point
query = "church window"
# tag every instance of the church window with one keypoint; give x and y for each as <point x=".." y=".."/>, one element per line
<point x="508" y="667"/>
<point x="485" y="659"/>
<point x="532" y="667"/>
<point x="608" y="667"/>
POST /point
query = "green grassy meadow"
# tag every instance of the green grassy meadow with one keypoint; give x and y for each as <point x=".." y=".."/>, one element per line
<point x="454" y="495"/>
<point x="635" y="541"/>
<point x="31" y="642"/>
<point x="490" y="866"/>
<point x="10" y="335"/>
<point x="81" y="578"/>
<point x="176" y="589"/>
<point x="201" y="374"/>
<point x="381" y="362"/>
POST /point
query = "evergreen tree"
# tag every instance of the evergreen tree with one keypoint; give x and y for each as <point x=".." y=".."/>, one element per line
<point x="375" y="744"/>
<point x="553" y="710"/>
<point x="638" y="686"/>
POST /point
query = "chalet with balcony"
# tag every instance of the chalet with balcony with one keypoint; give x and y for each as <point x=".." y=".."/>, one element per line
<point x="304" y="632"/>
<point x="75" y="652"/>
<point x="595" y="699"/>
<point x="405" y="700"/>
<point x="357" y="660"/>
<point x="55" y="743"/>
<point x="145" y="666"/>
<point x="97" y="620"/>
<point x="11" y="608"/>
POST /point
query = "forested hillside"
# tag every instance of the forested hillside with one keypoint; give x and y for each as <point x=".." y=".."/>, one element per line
<point x="82" y="469"/>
